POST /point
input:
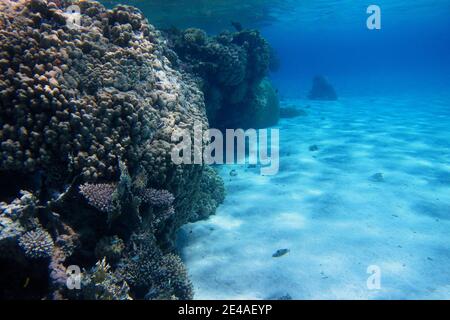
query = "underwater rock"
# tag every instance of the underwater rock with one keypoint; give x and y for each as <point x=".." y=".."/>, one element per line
<point x="9" y="228"/>
<point x="87" y="114"/>
<point x="292" y="112"/>
<point x="232" y="67"/>
<point x="322" y="90"/>
<point x="274" y="63"/>
<point x="72" y="107"/>
<point x="377" y="177"/>
<point x="280" y="253"/>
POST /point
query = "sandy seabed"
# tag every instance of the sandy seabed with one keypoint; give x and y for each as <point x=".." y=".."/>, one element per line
<point x="375" y="192"/>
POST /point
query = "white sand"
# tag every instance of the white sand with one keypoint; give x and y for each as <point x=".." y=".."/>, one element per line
<point x="335" y="220"/>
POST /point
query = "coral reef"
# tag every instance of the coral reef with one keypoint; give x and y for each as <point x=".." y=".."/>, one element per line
<point x="210" y="195"/>
<point x="215" y="15"/>
<point x="322" y="90"/>
<point x="101" y="284"/>
<point x="231" y="68"/>
<point x="110" y="248"/>
<point x="86" y="119"/>
<point x="80" y="99"/>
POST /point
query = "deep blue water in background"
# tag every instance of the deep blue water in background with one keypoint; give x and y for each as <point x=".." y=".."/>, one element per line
<point x="411" y="52"/>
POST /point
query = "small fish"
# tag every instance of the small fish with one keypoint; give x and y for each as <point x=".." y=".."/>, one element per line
<point x="280" y="253"/>
<point x="233" y="173"/>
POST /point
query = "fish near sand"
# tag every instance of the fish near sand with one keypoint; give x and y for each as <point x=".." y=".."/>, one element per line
<point x="280" y="253"/>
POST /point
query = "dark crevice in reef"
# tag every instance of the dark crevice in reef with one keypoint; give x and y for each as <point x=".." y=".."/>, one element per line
<point x="86" y="120"/>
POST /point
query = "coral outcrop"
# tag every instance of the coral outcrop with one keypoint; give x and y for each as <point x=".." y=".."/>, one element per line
<point x="231" y="68"/>
<point x="154" y="274"/>
<point x="322" y="90"/>
<point x="86" y="118"/>
<point x="37" y="243"/>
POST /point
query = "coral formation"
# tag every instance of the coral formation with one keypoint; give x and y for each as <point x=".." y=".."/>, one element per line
<point x="86" y="119"/>
<point x="232" y="69"/>
<point x="37" y="244"/>
<point x="211" y="193"/>
<point x="99" y="195"/>
<point x="157" y="275"/>
<point x="322" y="90"/>
<point x="292" y="112"/>
<point x="110" y="248"/>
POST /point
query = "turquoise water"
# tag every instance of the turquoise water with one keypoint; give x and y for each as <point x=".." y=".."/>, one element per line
<point x="327" y="206"/>
<point x="106" y="183"/>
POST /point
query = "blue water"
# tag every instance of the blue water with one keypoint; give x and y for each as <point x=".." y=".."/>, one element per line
<point x="410" y="52"/>
<point x="330" y="207"/>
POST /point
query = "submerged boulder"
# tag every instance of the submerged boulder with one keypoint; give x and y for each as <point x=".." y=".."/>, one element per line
<point x="322" y="90"/>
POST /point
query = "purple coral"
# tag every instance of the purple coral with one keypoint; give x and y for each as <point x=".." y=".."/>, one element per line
<point x="161" y="199"/>
<point x="37" y="243"/>
<point x="99" y="195"/>
<point x="158" y="198"/>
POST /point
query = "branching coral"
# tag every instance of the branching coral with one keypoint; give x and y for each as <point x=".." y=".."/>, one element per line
<point x="99" y="195"/>
<point x="146" y="266"/>
<point x="110" y="248"/>
<point x="75" y="103"/>
<point x="37" y="244"/>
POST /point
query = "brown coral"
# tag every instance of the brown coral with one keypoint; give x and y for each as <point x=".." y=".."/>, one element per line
<point x="37" y="243"/>
<point x="82" y="98"/>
